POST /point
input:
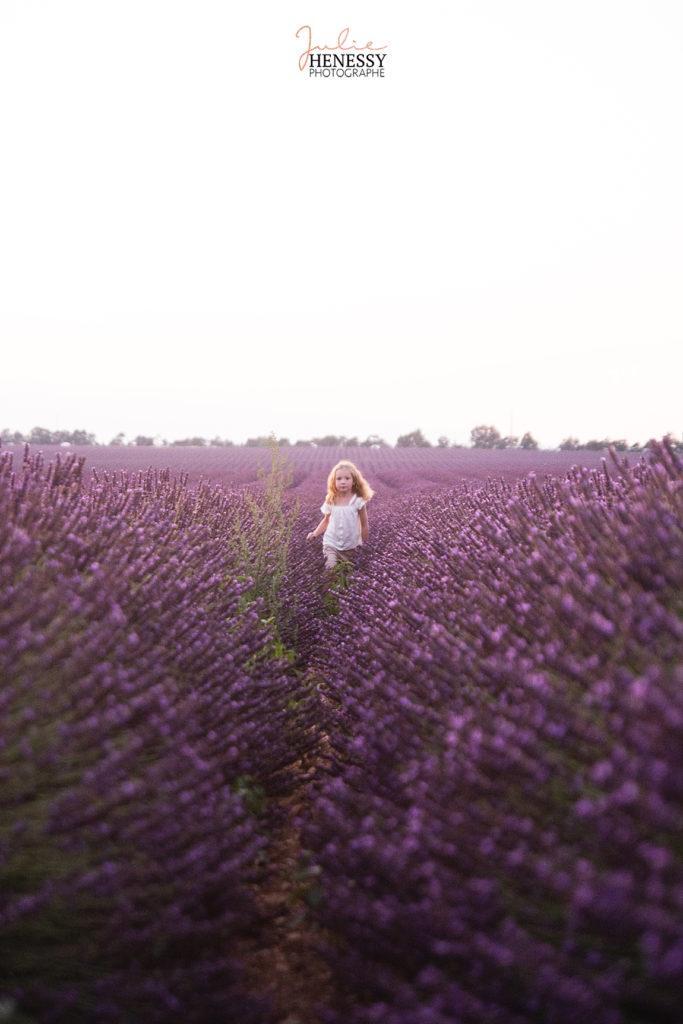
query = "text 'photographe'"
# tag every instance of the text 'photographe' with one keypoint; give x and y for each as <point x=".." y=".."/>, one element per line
<point x="346" y="58"/>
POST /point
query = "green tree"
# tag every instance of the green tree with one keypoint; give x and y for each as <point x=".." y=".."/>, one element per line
<point x="528" y="441"/>
<point x="328" y="440"/>
<point x="416" y="439"/>
<point x="11" y="436"/>
<point x="40" y="435"/>
<point x="81" y="437"/>
<point x="484" y="437"/>
<point x="374" y="441"/>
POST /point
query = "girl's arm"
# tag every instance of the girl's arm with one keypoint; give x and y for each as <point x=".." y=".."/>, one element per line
<point x="320" y="528"/>
<point x="364" y="528"/>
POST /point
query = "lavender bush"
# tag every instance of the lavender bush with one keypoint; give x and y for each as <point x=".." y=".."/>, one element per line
<point x="146" y="720"/>
<point x="500" y="834"/>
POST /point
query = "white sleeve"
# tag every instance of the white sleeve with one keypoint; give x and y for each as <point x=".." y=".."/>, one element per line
<point x="360" y="503"/>
<point x="325" y="508"/>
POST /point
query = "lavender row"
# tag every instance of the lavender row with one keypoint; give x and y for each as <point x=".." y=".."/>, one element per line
<point x="146" y="720"/>
<point x="499" y="839"/>
<point x="391" y="470"/>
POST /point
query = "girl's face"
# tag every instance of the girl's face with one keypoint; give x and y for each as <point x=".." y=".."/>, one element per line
<point x="343" y="481"/>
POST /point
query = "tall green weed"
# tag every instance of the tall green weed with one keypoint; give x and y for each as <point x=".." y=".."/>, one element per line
<point x="262" y="539"/>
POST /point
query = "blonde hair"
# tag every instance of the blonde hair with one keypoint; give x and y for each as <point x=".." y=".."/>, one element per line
<point x="360" y="485"/>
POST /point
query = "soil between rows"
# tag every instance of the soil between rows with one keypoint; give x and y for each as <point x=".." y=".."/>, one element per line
<point x="288" y="967"/>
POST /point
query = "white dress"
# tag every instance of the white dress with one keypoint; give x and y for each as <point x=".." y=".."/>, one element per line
<point x="343" y="529"/>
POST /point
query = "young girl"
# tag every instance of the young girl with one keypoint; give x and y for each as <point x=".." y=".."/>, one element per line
<point x="345" y="517"/>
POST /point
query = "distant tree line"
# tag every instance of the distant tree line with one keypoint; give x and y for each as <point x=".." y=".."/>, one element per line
<point x="481" y="436"/>
<point x="40" y="435"/>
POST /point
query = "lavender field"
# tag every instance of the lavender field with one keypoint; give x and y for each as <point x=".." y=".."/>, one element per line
<point x="390" y="469"/>
<point x="441" y="787"/>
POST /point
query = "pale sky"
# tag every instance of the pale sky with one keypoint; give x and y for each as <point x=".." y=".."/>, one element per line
<point x="196" y="238"/>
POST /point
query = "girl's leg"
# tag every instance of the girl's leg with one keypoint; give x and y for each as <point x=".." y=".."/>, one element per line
<point x="330" y="555"/>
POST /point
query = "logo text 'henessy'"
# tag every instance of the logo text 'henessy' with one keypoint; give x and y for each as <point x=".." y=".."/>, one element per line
<point x="343" y="59"/>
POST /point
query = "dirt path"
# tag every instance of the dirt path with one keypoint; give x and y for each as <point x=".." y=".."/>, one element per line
<point x="288" y="966"/>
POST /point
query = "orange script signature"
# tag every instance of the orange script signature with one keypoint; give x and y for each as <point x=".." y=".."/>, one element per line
<point x="339" y="45"/>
